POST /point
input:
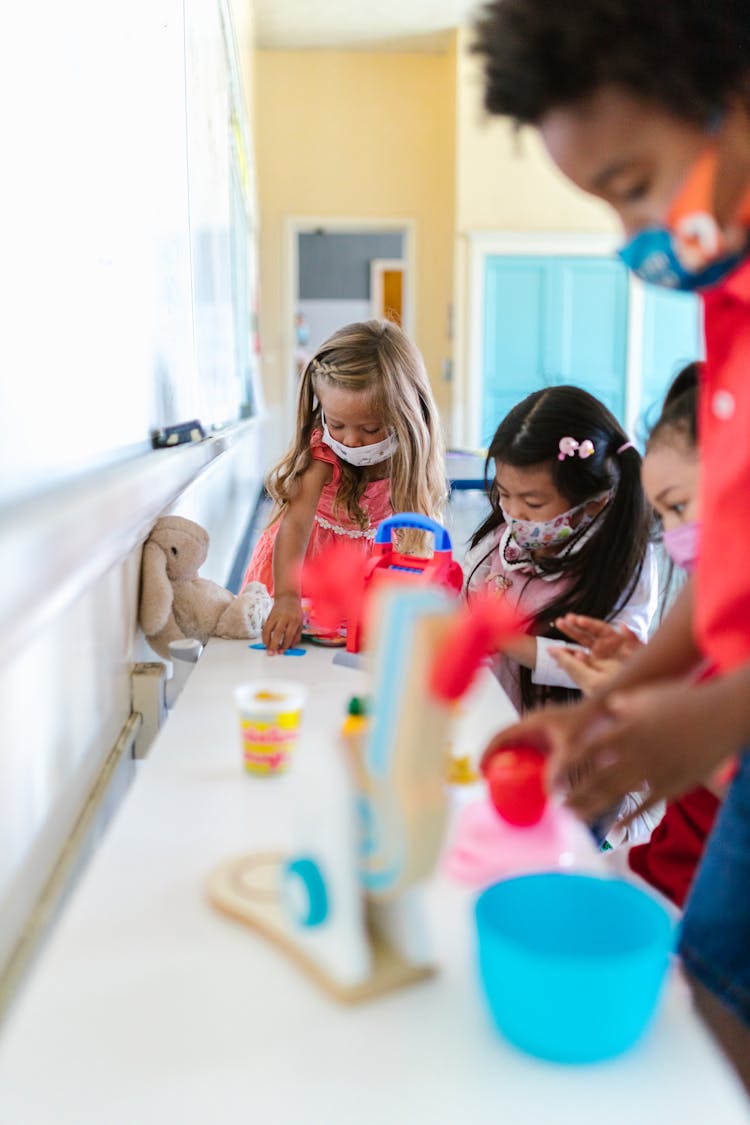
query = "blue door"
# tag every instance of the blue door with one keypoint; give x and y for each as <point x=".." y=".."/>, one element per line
<point x="552" y="320"/>
<point x="672" y="337"/>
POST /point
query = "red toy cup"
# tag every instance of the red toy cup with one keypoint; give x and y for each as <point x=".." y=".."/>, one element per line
<point x="515" y="778"/>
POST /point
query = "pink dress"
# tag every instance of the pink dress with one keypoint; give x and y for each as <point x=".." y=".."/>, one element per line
<point x="330" y="523"/>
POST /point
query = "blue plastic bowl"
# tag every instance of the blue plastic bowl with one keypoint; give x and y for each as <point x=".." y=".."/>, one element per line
<point x="572" y="965"/>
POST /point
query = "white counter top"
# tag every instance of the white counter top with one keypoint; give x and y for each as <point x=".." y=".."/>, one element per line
<point x="149" y="1006"/>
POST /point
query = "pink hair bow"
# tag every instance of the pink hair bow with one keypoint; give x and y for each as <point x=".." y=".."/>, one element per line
<point x="568" y="446"/>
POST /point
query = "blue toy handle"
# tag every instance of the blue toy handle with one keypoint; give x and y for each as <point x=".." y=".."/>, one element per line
<point x="413" y="519"/>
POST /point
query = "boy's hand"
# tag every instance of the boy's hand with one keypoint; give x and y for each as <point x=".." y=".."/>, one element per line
<point x="283" y="629"/>
<point x="667" y="737"/>
<point x="553" y="730"/>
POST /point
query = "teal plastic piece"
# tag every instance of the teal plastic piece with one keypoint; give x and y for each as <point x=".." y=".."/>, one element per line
<point x="305" y="892"/>
<point x="572" y="966"/>
<point x="287" y="652"/>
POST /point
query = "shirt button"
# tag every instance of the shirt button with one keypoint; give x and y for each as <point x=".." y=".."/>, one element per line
<point x="722" y="405"/>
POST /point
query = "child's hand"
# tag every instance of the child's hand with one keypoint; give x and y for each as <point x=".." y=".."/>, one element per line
<point x="670" y="737"/>
<point x="556" y="732"/>
<point x="553" y="730"/>
<point x="283" y="628"/>
<point x="604" y="641"/>
<point x="591" y="674"/>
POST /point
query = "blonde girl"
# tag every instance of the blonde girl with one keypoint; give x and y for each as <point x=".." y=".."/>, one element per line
<point x="670" y="472"/>
<point x="367" y="444"/>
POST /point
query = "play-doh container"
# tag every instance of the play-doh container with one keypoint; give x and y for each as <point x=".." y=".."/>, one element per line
<point x="571" y="965"/>
<point x="269" y="714"/>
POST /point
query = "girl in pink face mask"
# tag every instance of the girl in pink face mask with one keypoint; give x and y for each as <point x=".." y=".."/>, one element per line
<point x="670" y="476"/>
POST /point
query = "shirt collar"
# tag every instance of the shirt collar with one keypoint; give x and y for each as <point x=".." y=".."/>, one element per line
<point x="736" y="287"/>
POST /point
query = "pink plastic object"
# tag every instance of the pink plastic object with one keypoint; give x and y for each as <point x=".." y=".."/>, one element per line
<point x="486" y="848"/>
<point x="515" y="777"/>
<point x="334" y="583"/>
<point x="479" y="629"/>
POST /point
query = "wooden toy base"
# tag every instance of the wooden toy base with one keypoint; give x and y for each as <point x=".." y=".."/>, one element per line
<point x="246" y="889"/>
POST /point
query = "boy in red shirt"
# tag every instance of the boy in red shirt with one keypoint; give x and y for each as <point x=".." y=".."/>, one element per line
<point x="647" y="106"/>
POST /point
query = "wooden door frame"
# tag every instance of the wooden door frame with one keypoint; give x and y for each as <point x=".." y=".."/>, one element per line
<point x="293" y="227"/>
<point x="380" y="266"/>
<point x="467" y="401"/>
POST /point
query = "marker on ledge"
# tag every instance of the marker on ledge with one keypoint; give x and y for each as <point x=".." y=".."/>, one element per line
<point x="178" y="435"/>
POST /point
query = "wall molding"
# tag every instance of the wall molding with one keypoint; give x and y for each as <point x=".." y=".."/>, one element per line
<point x="117" y="770"/>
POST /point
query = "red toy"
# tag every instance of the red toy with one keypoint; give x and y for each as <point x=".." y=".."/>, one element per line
<point x="480" y="627"/>
<point x="439" y="569"/>
<point x="515" y="778"/>
<point x="339" y="580"/>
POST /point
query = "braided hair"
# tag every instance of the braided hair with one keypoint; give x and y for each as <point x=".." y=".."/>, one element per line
<point x="373" y="357"/>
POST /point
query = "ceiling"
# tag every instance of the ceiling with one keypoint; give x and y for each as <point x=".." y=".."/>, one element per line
<point x="396" y="25"/>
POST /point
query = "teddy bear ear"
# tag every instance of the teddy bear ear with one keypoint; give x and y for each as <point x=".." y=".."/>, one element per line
<point x="156" y="590"/>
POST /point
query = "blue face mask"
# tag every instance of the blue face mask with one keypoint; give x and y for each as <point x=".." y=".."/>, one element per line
<point x="690" y="251"/>
<point x="652" y="257"/>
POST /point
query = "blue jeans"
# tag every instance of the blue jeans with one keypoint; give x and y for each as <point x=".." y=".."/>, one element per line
<point x="715" y="933"/>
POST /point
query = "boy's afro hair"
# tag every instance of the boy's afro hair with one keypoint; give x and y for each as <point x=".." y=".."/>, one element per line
<point x="686" y="55"/>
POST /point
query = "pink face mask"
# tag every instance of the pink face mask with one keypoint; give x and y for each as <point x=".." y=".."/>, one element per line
<point x="681" y="544"/>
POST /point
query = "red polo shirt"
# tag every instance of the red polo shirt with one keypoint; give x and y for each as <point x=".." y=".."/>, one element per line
<point x="722" y="614"/>
<point x="669" y="860"/>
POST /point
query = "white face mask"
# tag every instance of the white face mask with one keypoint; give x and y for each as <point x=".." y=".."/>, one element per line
<point x="361" y="455"/>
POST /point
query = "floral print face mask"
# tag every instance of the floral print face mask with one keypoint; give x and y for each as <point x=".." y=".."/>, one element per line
<point x="534" y="535"/>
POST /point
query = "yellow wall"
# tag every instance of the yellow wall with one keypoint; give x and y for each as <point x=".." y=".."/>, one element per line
<point x="504" y="182"/>
<point x="344" y="134"/>
<point x="371" y="135"/>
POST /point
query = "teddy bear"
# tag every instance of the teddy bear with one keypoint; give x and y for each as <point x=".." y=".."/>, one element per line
<point x="176" y="604"/>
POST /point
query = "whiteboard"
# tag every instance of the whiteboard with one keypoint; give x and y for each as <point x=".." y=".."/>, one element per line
<point x="126" y="238"/>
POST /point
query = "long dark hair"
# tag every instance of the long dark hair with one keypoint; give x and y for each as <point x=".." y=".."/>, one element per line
<point x="604" y="569"/>
<point x="680" y="410"/>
